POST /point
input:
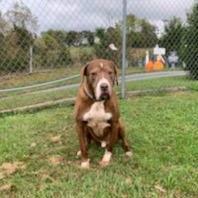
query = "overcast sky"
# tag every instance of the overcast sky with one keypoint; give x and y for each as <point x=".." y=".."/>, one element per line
<point x="89" y="14"/>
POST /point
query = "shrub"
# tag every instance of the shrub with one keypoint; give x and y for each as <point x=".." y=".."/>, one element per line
<point x="190" y="45"/>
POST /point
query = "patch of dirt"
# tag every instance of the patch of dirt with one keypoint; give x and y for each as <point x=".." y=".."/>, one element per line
<point x="7" y="168"/>
<point x="6" y="187"/>
<point x="56" y="160"/>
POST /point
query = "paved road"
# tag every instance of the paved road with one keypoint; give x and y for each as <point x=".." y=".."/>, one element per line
<point x="145" y="76"/>
<point x="128" y="78"/>
<point x="132" y="77"/>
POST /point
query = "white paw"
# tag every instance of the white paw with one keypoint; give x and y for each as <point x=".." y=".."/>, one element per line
<point x="85" y="164"/>
<point x="104" y="163"/>
<point x="78" y="153"/>
<point x="129" y="153"/>
<point x="106" y="158"/>
<point x="103" y="144"/>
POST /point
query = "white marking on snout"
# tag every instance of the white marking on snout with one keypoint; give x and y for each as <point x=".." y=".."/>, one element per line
<point x="98" y="88"/>
<point x="101" y="65"/>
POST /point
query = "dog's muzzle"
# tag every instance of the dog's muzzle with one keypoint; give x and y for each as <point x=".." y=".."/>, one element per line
<point x="103" y="89"/>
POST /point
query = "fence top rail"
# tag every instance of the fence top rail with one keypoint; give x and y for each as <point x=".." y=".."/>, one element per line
<point x="38" y="85"/>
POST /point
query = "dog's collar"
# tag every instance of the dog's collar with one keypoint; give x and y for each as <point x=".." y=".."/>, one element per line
<point x="89" y="94"/>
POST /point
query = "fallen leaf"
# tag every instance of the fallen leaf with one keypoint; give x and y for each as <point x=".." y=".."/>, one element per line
<point x="56" y="160"/>
<point x="128" y="180"/>
<point x="6" y="187"/>
<point x="55" y="139"/>
<point x="33" y="144"/>
<point x="160" y="188"/>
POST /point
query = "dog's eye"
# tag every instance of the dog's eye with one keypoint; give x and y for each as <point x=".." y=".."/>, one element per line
<point x="93" y="73"/>
<point x="110" y="73"/>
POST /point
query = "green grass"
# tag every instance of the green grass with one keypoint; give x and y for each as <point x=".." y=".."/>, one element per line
<point x="19" y="100"/>
<point x="29" y="98"/>
<point x="162" y="131"/>
<point x="163" y="83"/>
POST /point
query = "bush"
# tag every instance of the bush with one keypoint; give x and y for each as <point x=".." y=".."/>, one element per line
<point x="81" y="55"/>
<point x="15" y="50"/>
<point x="190" y="51"/>
<point x="49" y="53"/>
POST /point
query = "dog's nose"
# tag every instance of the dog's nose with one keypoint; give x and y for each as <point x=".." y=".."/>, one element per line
<point x="104" y="86"/>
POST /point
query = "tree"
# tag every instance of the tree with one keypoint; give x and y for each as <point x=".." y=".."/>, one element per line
<point x="148" y="34"/>
<point x="89" y="36"/>
<point x="140" y="33"/>
<point x="190" y="45"/>
<point x="20" y="15"/>
<point x="73" y="38"/>
<point x="50" y="49"/>
<point x="24" y="37"/>
<point x="100" y="33"/>
<point x="172" y="38"/>
<point x="59" y="35"/>
<point x="4" y="26"/>
<point x="15" y="54"/>
<point x="108" y="36"/>
<point x="18" y="38"/>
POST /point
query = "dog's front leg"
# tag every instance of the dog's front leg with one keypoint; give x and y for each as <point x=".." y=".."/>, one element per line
<point x="82" y="135"/>
<point x="112" y="138"/>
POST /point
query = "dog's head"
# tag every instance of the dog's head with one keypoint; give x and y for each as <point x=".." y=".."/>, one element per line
<point x="101" y="75"/>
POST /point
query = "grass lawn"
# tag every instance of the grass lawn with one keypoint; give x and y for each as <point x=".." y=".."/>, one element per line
<point x="163" y="83"/>
<point x="162" y="131"/>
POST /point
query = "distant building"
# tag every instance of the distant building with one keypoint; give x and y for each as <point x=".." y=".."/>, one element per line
<point x="173" y="59"/>
<point x="85" y="41"/>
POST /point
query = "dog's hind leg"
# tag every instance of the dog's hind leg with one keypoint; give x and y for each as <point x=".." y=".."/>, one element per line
<point x="121" y="135"/>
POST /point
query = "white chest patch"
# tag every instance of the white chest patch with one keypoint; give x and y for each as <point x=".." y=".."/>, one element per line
<point x="97" y="118"/>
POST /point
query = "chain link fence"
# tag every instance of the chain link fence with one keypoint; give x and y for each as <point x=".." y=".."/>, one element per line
<point x="43" y="44"/>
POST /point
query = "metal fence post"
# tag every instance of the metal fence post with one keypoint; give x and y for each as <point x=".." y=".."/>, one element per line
<point x="124" y="12"/>
<point x="30" y="60"/>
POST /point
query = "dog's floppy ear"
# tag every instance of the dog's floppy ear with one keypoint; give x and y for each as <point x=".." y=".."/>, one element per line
<point x="83" y="72"/>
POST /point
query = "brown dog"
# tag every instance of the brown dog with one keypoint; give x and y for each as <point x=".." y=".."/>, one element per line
<point x="96" y="110"/>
